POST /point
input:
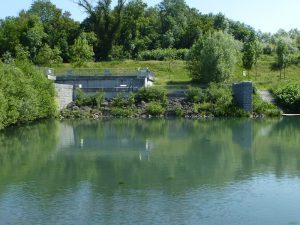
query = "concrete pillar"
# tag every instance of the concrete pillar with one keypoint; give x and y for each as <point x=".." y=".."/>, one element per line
<point x="243" y="95"/>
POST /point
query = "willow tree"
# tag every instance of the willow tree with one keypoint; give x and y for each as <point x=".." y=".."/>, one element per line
<point x="213" y="58"/>
<point x="105" y="22"/>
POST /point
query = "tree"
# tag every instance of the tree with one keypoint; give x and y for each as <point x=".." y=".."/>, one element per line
<point x="251" y="52"/>
<point x="104" y="22"/>
<point x="284" y="51"/>
<point x="60" y="29"/>
<point x="48" y="56"/>
<point x="213" y="58"/>
<point x="173" y="16"/>
<point x="82" y="51"/>
<point x="25" y="30"/>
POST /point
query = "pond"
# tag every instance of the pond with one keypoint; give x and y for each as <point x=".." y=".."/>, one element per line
<point x="151" y="172"/>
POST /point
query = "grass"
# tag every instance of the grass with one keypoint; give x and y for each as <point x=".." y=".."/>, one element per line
<point x="174" y="73"/>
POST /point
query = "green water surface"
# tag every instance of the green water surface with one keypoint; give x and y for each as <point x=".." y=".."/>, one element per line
<point x="214" y="172"/>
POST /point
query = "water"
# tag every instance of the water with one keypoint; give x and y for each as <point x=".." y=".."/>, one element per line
<point x="151" y="172"/>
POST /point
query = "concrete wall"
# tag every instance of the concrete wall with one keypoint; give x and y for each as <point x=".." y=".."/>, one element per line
<point x="111" y="85"/>
<point x="64" y="94"/>
<point x="243" y="95"/>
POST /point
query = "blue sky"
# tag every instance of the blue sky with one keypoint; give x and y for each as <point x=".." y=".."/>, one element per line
<point x="266" y="15"/>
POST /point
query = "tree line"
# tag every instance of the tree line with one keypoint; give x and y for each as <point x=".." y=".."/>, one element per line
<point x="47" y="35"/>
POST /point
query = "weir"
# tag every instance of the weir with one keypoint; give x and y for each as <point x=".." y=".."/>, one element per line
<point x="109" y="81"/>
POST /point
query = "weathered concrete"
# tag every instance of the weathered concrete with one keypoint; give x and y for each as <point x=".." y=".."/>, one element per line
<point x="65" y="94"/>
<point x="243" y="95"/>
<point x="111" y="85"/>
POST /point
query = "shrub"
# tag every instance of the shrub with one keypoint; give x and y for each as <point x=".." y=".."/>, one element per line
<point x="25" y="94"/>
<point x="178" y="110"/>
<point x="119" y="100"/>
<point x="99" y="99"/>
<point x="122" y="111"/>
<point x="94" y="100"/>
<point x="289" y="96"/>
<point x="194" y="94"/>
<point x="155" y="109"/>
<point x="152" y="94"/>
<point x="219" y="94"/>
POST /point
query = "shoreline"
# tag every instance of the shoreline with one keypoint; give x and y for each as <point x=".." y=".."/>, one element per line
<point x="175" y="108"/>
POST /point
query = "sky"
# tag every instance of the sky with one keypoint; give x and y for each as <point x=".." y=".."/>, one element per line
<point x="264" y="15"/>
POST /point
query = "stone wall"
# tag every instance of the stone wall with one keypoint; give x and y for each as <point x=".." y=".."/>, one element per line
<point x="243" y="95"/>
<point x="64" y="94"/>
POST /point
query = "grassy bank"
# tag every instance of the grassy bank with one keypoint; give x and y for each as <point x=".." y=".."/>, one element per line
<point x="175" y="72"/>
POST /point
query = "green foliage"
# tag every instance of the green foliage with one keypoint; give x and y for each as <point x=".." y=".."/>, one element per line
<point x="265" y="108"/>
<point x="25" y="94"/>
<point x="155" y="108"/>
<point x="150" y="94"/>
<point x="105" y="23"/>
<point x="81" y="52"/>
<point x="119" y="100"/>
<point x="99" y="98"/>
<point x="219" y="94"/>
<point x="48" y="56"/>
<point x="195" y="94"/>
<point x="213" y="58"/>
<point x="251" y="52"/>
<point x="164" y="54"/>
<point x="219" y="101"/>
<point x="289" y="96"/>
<point x="179" y="111"/>
<point x="94" y="100"/>
<point x="118" y="111"/>
<point x="285" y="54"/>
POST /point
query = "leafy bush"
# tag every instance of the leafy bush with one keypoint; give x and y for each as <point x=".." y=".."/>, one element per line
<point x="122" y="111"/>
<point x="119" y="100"/>
<point x="178" y="111"/>
<point x="219" y="94"/>
<point x="150" y="94"/>
<point x="155" y="109"/>
<point x="83" y="99"/>
<point x="164" y="54"/>
<point x="194" y="94"/>
<point x="99" y="98"/>
<point x="289" y="96"/>
<point x="25" y="94"/>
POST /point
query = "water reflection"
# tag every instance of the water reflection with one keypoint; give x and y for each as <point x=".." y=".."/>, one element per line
<point x="53" y="165"/>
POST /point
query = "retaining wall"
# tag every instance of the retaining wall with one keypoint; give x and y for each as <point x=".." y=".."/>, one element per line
<point x="64" y="94"/>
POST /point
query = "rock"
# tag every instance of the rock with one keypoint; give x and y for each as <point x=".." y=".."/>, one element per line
<point x="75" y="107"/>
<point x="71" y="105"/>
<point x="107" y="109"/>
<point x="86" y="108"/>
<point x="104" y="104"/>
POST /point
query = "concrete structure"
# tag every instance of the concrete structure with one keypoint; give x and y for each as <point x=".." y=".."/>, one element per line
<point x="111" y="85"/>
<point x="65" y="94"/>
<point x="110" y="81"/>
<point x="243" y="95"/>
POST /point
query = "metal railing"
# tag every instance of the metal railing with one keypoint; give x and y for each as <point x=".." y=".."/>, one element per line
<point x="144" y="72"/>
